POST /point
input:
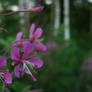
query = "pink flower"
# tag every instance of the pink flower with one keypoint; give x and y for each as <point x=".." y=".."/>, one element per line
<point x="52" y="45"/>
<point x="33" y="37"/>
<point x="25" y="62"/>
<point x="18" y="43"/>
<point x="39" y="8"/>
<point x="4" y="75"/>
<point x="2" y="61"/>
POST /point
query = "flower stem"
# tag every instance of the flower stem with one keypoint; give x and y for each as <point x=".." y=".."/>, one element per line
<point x="30" y="10"/>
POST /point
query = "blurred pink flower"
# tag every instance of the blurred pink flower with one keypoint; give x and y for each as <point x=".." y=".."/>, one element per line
<point x="87" y="65"/>
<point x="4" y="75"/>
<point x="39" y="8"/>
<point x="52" y="45"/>
<point x="2" y="61"/>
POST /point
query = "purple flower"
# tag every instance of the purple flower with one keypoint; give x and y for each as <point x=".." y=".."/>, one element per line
<point x="19" y="35"/>
<point x="18" y="43"/>
<point x="39" y="8"/>
<point x="25" y="61"/>
<point x="33" y="37"/>
<point x="4" y="75"/>
<point x="52" y="45"/>
<point x="2" y="61"/>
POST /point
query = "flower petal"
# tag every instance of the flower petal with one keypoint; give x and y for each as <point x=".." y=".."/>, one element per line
<point x="31" y="30"/>
<point x="1" y="70"/>
<point x="40" y="46"/>
<point x="31" y="55"/>
<point x="27" y="48"/>
<point x="38" y="33"/>
<point x="37" y="62"/>
<point x="13" y="45"/>
<point x="8" y="78"/>
<point x="15" y="53"/>
<point x="16" y="71"/>
<point x="29" y="73"/>
<point x="19" y="35"/>
<point x="39" y="8"/>
<point x="2" y="61"/>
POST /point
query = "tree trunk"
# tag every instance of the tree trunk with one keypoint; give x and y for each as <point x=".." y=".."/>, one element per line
<point x="56" y="16"/>
<point x="66" y="20"/>
<point x="21" y="14"/>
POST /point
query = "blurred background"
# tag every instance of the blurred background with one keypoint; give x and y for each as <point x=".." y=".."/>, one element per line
<point x="67" y="33"/>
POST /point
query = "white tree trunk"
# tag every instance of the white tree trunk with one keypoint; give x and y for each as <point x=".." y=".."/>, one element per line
<point x="48" y="2"/>
<point x="1" y="8"/>
<point x="21" y="14"/>
<point x="66" y="20"/>
<point x="56" y="16"/>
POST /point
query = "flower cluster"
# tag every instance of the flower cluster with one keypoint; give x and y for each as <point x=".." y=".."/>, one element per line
<point x="23" y="55"/>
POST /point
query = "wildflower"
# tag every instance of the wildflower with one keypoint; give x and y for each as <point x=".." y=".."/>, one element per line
<point x="18" y="39"/>
<point x="4" y="75"/>
<point x="25" y="62"/>
<point x="52" y="45"/>
<point x="39" y="8"/>
<point x="33" y="38"/>
<point x="2" y="61"/>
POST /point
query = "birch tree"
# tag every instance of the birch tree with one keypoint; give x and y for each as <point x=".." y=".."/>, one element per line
<point x="48" y="2"/>
<point x="55" y="14"/>
<point x="66" y="20"/>
<point x="21" y="14"/>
